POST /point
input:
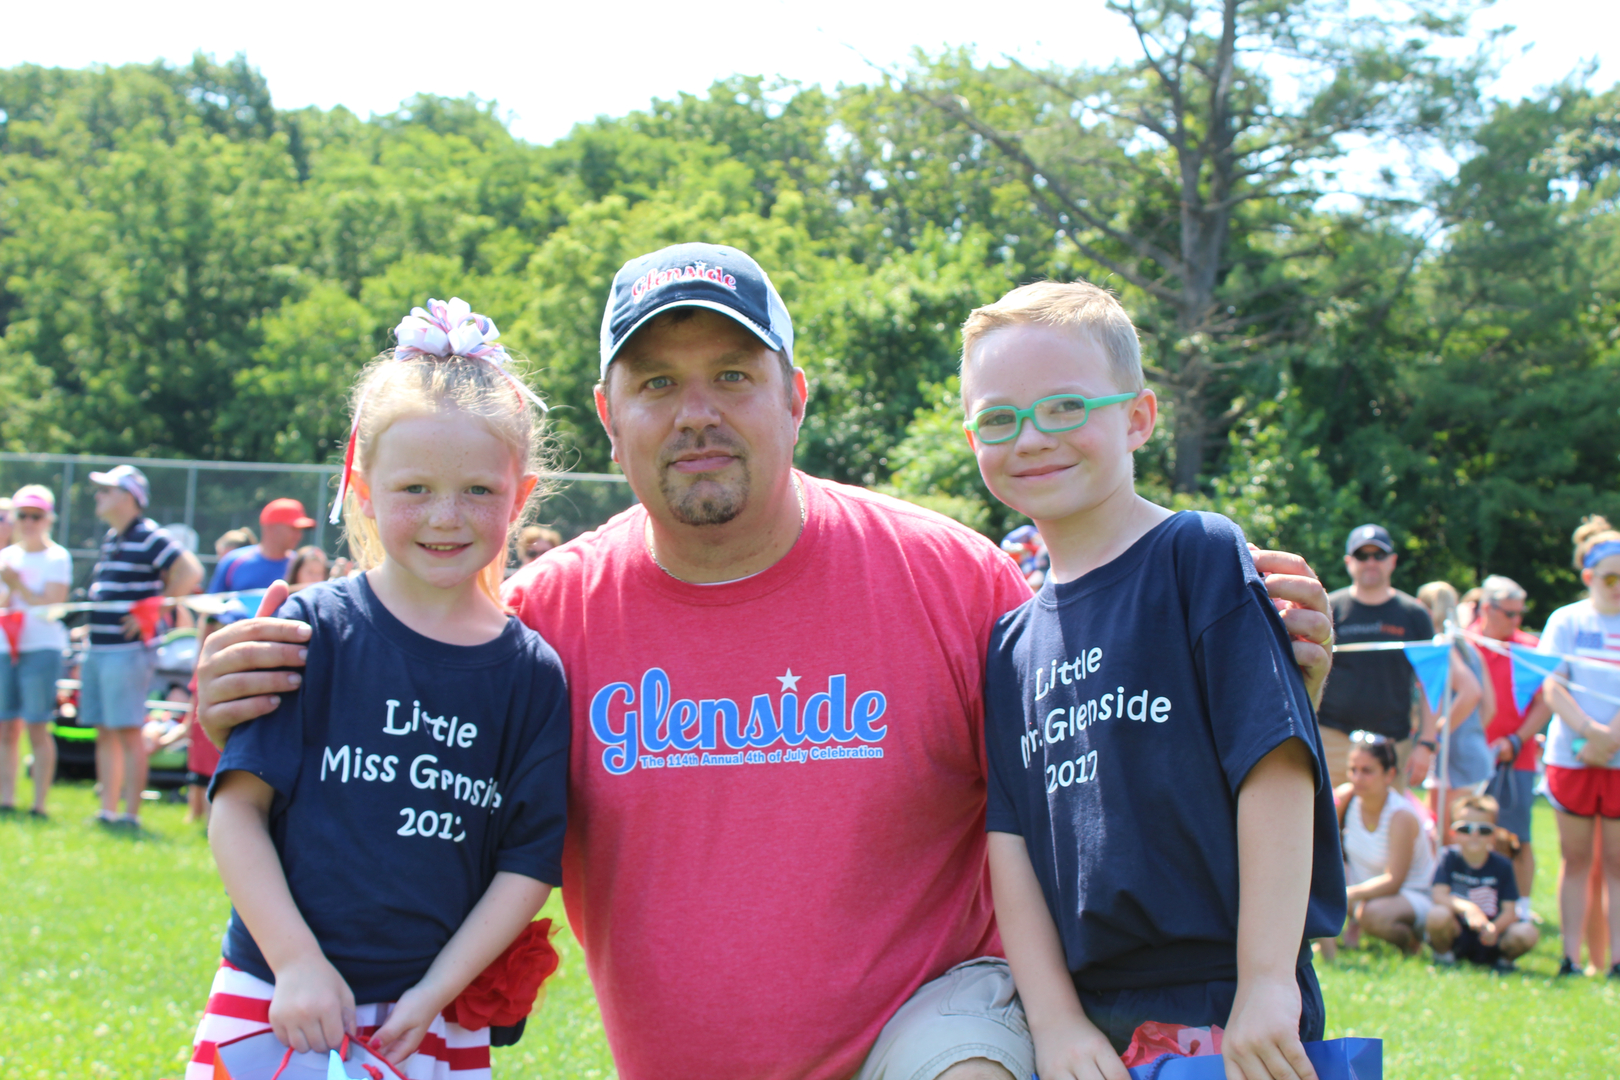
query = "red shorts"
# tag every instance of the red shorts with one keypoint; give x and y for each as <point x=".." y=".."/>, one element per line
<point x="1584" y="793"/>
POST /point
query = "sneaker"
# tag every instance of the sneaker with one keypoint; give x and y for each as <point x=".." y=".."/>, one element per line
<point x="1567" y="968"/>
<point x="104" y="817"/>
<point x="128" y="821"/>
<point x="1614" y="972"/>
<point x="1504" y="966"/>
<point x="39" y="815"/>
<point x="1445" y="959"/>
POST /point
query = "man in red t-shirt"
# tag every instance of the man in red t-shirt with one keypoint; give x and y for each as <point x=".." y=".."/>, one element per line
<point x="776" y="849"/>
<point x="1512" y="733"/>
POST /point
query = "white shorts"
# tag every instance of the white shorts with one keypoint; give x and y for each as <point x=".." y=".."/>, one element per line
<point x="239" y="1004"/>
<point x="971" y="1011"/>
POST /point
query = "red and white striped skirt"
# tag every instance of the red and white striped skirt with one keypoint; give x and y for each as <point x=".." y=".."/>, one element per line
<point x="239" y="1004"/>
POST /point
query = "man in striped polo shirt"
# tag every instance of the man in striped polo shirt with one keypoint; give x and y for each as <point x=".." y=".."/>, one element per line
<point x="138" y="560"/>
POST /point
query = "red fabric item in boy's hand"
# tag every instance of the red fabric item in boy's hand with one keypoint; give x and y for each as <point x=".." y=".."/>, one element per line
<point x="1153" y="1039"/>
<point x="505" y="992"/>
<point x="12" y="623"/>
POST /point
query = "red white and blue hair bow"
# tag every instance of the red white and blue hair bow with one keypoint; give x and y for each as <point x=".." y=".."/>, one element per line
<point x="444" y="331"/>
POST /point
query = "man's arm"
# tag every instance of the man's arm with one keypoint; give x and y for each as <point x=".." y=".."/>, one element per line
<point x="1275" y="842"/>
<point x="183" y="575"/>
<point x="1298" y="595"/>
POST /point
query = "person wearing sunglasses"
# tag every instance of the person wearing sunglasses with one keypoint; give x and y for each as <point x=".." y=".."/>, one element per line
<point x="35" y="570"/>
<point x="1473" y="917"/>
<point x="1374" y="691"/>
<point x="1388" y="854"/>
<point x="1512" y="733"/>
<point x="1583" y="743"/>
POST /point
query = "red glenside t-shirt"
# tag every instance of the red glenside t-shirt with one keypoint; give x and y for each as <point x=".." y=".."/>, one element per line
<point x="777" y="785"/>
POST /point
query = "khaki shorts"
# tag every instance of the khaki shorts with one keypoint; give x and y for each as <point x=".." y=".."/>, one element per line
<point x="970" y="1012"/>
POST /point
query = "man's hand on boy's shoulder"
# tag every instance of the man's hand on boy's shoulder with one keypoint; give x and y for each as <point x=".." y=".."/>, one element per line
<point x="1300" y="599"/>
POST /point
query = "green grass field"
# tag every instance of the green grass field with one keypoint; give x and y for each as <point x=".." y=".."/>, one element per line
<point x="107" y="944"/>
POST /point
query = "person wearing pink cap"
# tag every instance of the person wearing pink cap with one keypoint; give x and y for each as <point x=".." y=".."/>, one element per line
<point x="282" y="523"/>
<point x="35" y="570"/>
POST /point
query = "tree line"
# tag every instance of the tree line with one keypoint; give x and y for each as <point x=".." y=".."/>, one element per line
<point x="186" y="271"/>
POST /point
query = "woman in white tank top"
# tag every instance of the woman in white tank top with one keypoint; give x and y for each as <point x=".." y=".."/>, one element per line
<point x="1388" y="855"/>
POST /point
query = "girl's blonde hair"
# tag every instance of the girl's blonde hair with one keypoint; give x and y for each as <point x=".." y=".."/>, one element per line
<point x="389" y="390"/>
<point x="1594" y="530"/>
<point x="1441" y="600"/>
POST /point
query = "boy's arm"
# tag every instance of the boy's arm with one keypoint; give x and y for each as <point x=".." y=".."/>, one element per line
<point x="507" y="906"/>
<point x="1274" y="819"/>
<point x="1067" y="1045"/>
<point x="312" y="1006"/>
<point x="1470" y="912"/>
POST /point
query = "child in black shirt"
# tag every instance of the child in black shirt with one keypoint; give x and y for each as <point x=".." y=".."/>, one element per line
<point x="1474" y="916"/>
<point x="1153" y="753"/>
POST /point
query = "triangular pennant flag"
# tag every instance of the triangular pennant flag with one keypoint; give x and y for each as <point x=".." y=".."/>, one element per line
<point x="1432" y="663"/>
<point x="1530" y="670"/>
<point x="12" y="623"/>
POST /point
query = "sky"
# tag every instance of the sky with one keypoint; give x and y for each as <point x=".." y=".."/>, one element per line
<point x="551" y="65"/>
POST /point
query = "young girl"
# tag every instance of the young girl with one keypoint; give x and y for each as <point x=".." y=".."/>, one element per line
<point x="397" y="823"/>
<point x="1583" y="744"/>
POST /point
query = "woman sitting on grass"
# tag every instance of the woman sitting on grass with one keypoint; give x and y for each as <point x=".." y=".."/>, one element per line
<point x="1389" y="862"/>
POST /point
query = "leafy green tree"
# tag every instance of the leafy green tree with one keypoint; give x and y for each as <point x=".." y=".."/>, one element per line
<point x="1182" y="174"/>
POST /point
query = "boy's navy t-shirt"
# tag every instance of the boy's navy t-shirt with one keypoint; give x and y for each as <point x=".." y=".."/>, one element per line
<point x="407" y="772"/>
<point x="1492" y="886"/>
<point x="1123" y="711"/>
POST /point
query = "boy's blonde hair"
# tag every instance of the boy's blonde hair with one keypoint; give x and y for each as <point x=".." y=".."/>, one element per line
<point x="1482" y="804"/>
<point x="389" y="390"/>
<point x="1093" y="313"/>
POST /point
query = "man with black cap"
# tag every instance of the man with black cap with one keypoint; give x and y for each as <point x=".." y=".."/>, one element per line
<point x="1374" y="691"/>
<point x="776" y="852"/>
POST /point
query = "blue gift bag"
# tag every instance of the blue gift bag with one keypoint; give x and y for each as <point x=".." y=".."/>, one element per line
<point x="1334" y="1059"/>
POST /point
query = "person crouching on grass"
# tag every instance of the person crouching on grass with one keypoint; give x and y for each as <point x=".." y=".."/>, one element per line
<point x="1153" y="753"/>
<point x="1473" y="917"/>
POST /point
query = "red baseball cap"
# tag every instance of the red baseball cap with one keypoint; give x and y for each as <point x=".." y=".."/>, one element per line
<point x="285" y="512"/>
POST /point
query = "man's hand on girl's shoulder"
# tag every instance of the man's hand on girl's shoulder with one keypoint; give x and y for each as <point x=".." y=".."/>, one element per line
<point x="240" y="671"/>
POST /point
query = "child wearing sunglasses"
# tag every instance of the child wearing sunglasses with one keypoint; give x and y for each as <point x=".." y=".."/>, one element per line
<point x="1153" y="753"/>
<point x="1473" y="916"/>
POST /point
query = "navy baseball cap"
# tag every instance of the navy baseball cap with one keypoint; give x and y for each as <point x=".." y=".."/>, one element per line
<point x="710" y="276"/>
<point x="1369" y="535"/>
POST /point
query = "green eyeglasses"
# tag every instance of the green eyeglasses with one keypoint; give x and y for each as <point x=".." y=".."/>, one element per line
<point x="1058" y="413"/>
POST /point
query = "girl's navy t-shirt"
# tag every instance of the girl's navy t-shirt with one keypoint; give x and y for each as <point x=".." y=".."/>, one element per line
<point x="407" y="773"/>
<point x="1123" y="711"/>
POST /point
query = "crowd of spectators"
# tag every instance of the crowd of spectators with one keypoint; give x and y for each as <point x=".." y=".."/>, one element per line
<point x="1470" y="899"/>
<point x="113" y="663"/>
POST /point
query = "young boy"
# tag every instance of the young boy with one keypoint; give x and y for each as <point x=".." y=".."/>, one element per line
<point x="1145" y="769"/>
<point x="1474" y="916"/>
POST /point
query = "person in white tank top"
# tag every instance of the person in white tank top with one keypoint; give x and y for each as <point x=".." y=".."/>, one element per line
<point x="1389" y="856"/>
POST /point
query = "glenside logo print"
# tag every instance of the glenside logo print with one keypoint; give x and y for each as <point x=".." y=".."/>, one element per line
<point x="647" y="726"/>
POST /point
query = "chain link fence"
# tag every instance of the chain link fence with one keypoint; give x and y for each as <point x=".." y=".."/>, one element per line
<point x="212" y="497"/>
